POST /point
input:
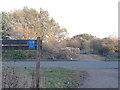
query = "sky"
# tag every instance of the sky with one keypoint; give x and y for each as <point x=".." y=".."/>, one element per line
<point x="96" y="17"/>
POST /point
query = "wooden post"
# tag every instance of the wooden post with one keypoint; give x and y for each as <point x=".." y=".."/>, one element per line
<point x="38" y="63"/>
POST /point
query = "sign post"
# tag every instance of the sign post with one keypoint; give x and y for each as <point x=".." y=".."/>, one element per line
<point x="39" y="44"/>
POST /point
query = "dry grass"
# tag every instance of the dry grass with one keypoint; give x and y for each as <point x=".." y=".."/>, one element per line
<point x="98" y="57"/>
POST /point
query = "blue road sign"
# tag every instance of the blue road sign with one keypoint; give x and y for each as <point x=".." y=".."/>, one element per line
<point x="31" y="44"/>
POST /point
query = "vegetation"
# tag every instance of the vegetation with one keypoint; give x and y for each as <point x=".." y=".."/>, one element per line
<point x="84" y="36"/>
<point x="107" y="47"/>
<point x="18" y="55"/>
<point x="81" y="41"/>
<point x="28" y="23"/>
<point x="67" y="49"/>
<point x="30" y="55"/>
<point x="13" y="79"/>
<point x="6" y="25"/>
<point x="49" y="77"/>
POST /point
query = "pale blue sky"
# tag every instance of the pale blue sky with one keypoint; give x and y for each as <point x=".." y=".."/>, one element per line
<point x="96" y="17"/>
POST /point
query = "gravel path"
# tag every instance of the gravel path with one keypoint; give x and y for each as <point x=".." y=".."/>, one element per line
<point x="100" y="78"/>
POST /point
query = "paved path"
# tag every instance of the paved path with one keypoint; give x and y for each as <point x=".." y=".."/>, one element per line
<point x="100" y="78"/>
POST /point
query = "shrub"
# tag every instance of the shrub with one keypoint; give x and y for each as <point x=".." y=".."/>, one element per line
<point x="104" y="46"/>
<point x="112" y="55"/>
<point x="19" y="54"/>
<point x="12" y="79"/>
<point x="70" y="52"/>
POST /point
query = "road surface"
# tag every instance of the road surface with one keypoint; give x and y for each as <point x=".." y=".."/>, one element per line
<point x="65" y="64"/>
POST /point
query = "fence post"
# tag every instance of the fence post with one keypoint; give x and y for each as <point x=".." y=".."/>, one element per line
<point x="38" y="62"/>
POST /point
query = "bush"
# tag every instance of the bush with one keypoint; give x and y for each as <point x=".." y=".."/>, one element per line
<point x="12" y="79"/>
<point x="63" y="53"/>
<point x="104" y="46"/>
<point x="112" y="55"/>
<point x="70" y="52"/>
<point x="13" y="54"/>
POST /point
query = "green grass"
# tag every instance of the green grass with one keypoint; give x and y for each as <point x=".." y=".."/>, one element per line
<point x="9" y="55"/>
<point x="41" y="60"/>
<point x="57" y="77"/>
<point x="112" y="59"/>
<point x="99" y="57"/>
<point x="80" y="57"/>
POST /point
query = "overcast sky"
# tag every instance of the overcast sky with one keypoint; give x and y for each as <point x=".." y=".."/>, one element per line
<point x="96" y="17"/>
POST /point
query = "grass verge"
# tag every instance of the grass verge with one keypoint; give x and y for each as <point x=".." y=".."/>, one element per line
<point x="99" y="57"/>
<point x="80" y="57"/>
<point x="57" y="77"/>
